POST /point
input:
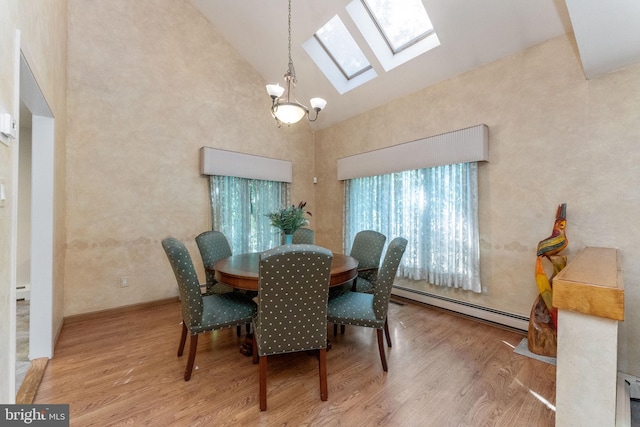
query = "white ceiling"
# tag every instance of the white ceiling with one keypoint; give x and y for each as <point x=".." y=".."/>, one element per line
<point x="472" y="33"/>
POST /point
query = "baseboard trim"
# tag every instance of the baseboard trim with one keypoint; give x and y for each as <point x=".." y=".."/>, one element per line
<point x="498" y="317"/>
<point x="118" y="310"/>
<point x="31" y="382"/>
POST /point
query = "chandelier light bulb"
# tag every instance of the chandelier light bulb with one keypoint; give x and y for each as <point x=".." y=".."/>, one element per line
<point x="318" y="104"/>
<point x="289" y="112"/>
<point x="275" y="90"/>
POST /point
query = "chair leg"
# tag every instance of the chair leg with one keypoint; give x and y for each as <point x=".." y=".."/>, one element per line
<point x="383" y="358"/>
<point x="193" y="346"/>
<point x="341" y="329"/>
<point x="263" y="383"/>
<point x="183" y="339"/>
<point x="239" y="330"/>
<point x="248" y="328"/>
<point x="335" y="329"/>
<point x="386" y="332"/>
<point x="324" y="393"/>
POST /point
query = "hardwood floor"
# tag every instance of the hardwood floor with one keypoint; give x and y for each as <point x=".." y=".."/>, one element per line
<point x="444" y="370"/>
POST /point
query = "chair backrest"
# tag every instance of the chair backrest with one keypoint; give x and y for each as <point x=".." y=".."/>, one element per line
<point x="367" y="248"/>
<point x="293" y="290"/>
<point x="187" y="279"/>
<point x="386" y="276"/>
<point x="303" y="236"/>
<point x="213" y="246"/>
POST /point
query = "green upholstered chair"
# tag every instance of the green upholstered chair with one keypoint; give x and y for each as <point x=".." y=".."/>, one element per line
<point x="202" y="313"/>
<point x="213" y="246"/>
<point x="367" y="249"/>
<point x="370" y="310"/>
<point x="293" y="289"/>
<point x="303" y="236"/>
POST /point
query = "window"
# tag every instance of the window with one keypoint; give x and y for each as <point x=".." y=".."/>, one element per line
<point x="339" y="57"/>
<point x="336" y="40"/>
<point x="396" y="31"/>
<point x="401" y="25"/>
<point x="238" y="208"/>
<point x="435" y="209"/>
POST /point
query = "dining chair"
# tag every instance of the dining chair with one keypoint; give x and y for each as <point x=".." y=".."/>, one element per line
<point x="370" y="310"/>
<point x="213" y="246"/>
<point x="293" y="288"/>
<point x="367" y="249"/>
<point x="303" y="236"/>
<point x="202" y="313"/>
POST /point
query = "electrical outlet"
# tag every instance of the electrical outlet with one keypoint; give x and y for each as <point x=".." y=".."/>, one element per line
<point x="124" y="282"/>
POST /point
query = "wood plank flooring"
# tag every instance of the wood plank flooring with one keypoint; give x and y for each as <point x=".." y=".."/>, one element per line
<point x="444" y="370"/>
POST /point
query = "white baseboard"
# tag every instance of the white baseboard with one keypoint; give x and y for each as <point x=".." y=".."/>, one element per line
<point x="495" y="316"/>
<point x="23" y="292"/>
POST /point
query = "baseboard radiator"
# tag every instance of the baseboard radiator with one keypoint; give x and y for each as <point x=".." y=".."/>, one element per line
<point x="483" y="313"/>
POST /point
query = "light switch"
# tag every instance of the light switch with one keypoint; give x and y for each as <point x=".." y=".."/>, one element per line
<point x="7" y="125"/>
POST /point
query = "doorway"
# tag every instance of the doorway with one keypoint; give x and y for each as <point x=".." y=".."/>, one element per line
<point x="23" y="253"/>
<point x="35" y="225"/>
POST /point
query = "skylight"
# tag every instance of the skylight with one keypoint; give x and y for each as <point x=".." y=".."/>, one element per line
<point x="342" y="48"/>
<point x="402" y="23"/>
<point x="396" y="31"/>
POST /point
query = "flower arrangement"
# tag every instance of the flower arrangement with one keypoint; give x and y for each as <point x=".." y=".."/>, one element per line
<point x="289" y="219"/>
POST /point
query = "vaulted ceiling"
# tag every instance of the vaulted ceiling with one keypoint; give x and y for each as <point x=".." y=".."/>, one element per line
<point x="471" y="33"/>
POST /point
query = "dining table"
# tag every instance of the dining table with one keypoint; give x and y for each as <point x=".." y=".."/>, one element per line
<point x="241" y="272"/>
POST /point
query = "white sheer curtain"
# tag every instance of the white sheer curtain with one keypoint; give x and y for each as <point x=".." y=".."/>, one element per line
<point x="436" y="209"/>
<point x="238" y="208"/>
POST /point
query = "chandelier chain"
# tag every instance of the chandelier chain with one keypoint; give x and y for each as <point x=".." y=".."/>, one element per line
<point x="290" y="61"/>
<point x="291" y="69"/>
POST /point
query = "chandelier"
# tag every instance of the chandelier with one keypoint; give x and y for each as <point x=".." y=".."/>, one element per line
<point x="284" y="106"/>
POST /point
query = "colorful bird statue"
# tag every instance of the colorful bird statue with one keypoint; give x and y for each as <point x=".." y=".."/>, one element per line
<point x="549" y="247"/>
<point x="555" y="243"/>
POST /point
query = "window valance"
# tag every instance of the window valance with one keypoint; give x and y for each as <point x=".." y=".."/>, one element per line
<point x="214" y="161"/>
<point x="465" y="145"/>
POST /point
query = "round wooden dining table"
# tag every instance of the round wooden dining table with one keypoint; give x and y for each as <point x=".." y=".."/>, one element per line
<point x="241" y="271"/>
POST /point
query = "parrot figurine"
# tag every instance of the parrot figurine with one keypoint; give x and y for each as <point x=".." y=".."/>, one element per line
<point x="555" y="243"/>
<point x="549" y="247"/>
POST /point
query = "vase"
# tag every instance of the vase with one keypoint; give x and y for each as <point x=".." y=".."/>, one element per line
<point x="288" y="239"/>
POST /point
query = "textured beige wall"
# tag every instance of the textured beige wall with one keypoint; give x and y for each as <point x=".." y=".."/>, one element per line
<point x="43" y="41"/>
<point x="42" y="27"/>
<point x="554" y="137"/>
<point x="8" y="18"/>
<point x="150" y="82"/>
